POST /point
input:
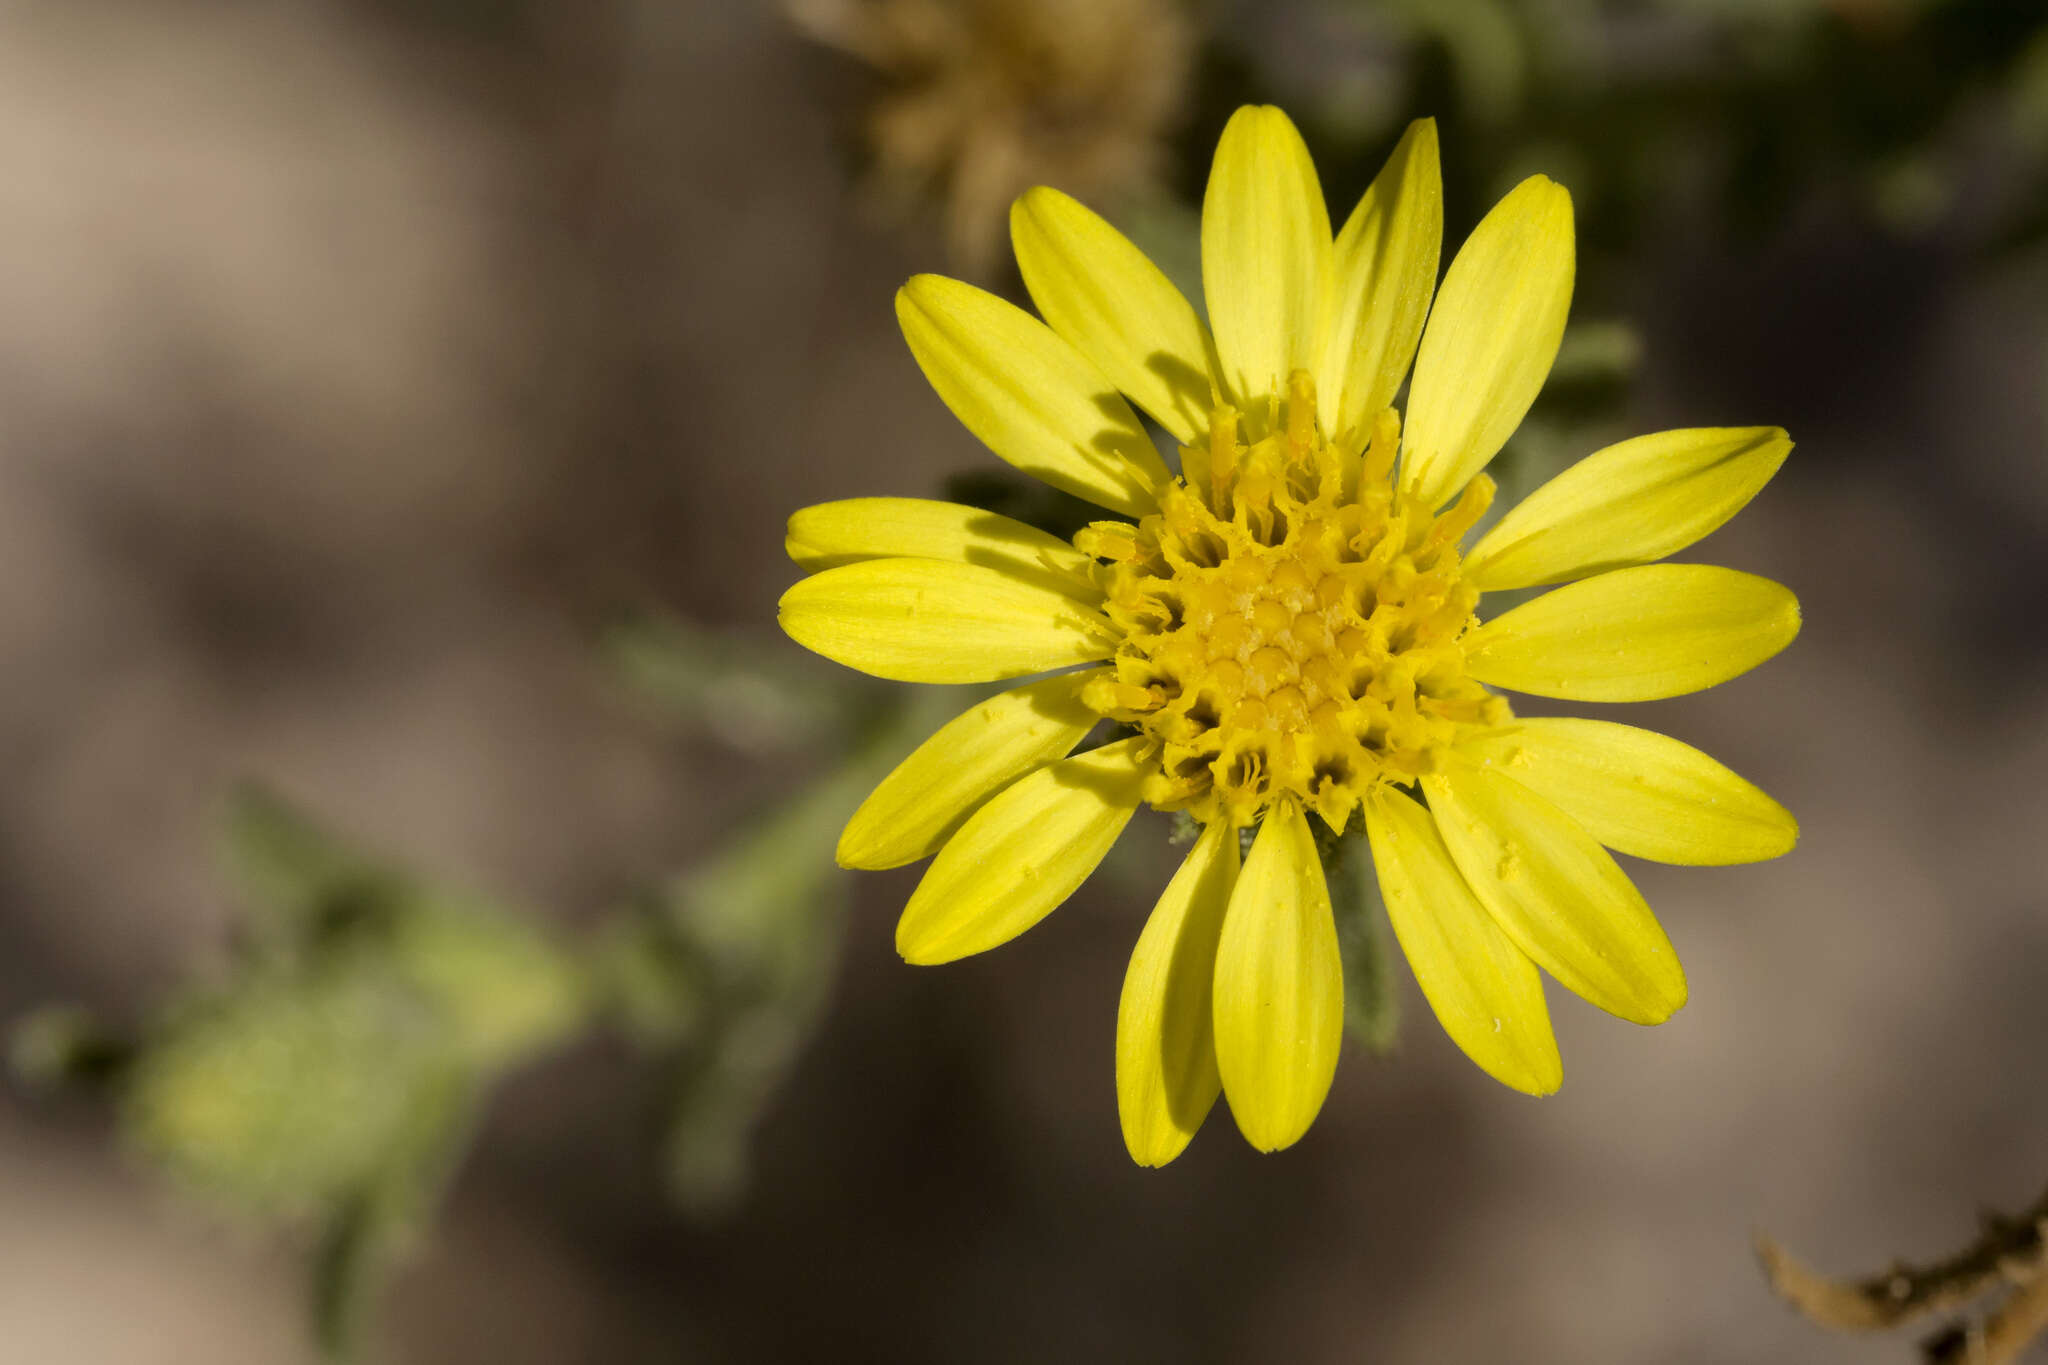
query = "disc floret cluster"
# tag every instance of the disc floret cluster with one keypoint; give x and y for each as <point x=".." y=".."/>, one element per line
<point x="1291" y="623"/>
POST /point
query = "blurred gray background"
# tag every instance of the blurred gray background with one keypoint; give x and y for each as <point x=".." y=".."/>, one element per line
<point x="359" y="361"/>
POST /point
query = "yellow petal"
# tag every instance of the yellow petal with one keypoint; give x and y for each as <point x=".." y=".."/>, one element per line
<point x="1640" y="792"/>
<point x="1265" y="254"/>
<point x="986" y="747"/>
<point x="1279" y="986"/>
<point x="1382" y="274"/>
<point x="1628" y="504"/>
<point x="1028" y="395"/>
<point x="1486" y="992"/>
<point x="1557" y="893"/>
<point x="1166" y="1076"/>
<point x="1117" y="308"/>
<point x="1490" y="340"/>
<point x="834" y="533"/>
<point x="1636" y="634"/>
<point x="927" y="620"/>
<point x="1020" y="855"/>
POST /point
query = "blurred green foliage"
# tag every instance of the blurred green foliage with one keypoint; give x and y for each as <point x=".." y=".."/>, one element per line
<point x="749" y="692"/>
<point x="750" y="938"/>
<point x="330" y="1078"/>
<point x="726" y="967"/>
<point x="495" y="988"/>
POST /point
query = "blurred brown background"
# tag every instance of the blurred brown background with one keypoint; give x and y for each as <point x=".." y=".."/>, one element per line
<point x="359" y="361"/>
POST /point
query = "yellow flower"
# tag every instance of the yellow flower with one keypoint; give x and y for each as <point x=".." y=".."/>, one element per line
<point x="1291" y="627"/>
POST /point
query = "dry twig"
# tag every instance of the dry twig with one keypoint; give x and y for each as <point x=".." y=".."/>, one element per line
<point x="2010" y="1257"/>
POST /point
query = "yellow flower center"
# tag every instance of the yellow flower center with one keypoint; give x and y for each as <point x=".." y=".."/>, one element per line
<point x="1292" y="623"/>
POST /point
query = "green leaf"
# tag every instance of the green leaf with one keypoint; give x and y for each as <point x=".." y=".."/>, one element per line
<point x="65" y="1044"/>
<point x="504" y="990"/>
<point x="762" y="924"/>
<point x="369" y="1232"/>
<point x="751" y="691"/>
<point x="284" y="1092"/>
<point x="295" y="875"/>
<point x="750" y="940"/>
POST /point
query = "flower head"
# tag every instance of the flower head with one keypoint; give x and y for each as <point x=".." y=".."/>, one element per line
<point x="983" y="98"/>
<point x="1293" y="627"/>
